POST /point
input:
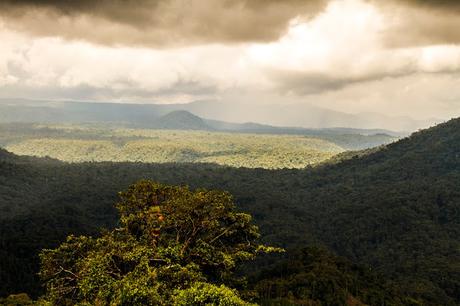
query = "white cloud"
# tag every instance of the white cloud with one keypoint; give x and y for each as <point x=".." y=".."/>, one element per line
<point x="345" y="43"/>
<point x="328" y="42"/>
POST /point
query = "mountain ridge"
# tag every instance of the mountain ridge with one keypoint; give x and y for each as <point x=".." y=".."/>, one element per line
<point x="301" y="115"/>
<point x="180" y="120"/>
<point x="167" y="117"/>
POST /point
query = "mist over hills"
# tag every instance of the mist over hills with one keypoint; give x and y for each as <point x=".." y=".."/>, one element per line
<point x="302" y="115"/>
<point x="220" y="114"/>
<point x="177" y="117"/>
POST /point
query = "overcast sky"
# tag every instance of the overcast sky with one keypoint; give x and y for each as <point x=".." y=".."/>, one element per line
<point x="393" y="57"/>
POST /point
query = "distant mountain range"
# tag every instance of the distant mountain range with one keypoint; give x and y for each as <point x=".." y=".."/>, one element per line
<point x="302" y="115"/>
<point x="219" y="115"/>
<point x="171" y="117"/>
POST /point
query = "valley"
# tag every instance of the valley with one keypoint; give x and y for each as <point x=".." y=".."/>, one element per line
<point x="182" y="137"/>
<point x="75" y="144"/>
<point x="394" y="209"/>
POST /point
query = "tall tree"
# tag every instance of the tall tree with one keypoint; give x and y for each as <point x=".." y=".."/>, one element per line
<point x="171" y="240"/>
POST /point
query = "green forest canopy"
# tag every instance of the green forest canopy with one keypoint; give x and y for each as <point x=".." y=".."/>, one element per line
<point x="396" y="210"/>
<point x="80" y="143"/>
<point x="173" y="246"/>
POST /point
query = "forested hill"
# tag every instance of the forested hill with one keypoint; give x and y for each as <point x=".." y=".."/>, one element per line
<point x="20" y="113"/>
<point x="5" y="154"/>
<point x="397" y="209"/>
<point x="181" y="120"/>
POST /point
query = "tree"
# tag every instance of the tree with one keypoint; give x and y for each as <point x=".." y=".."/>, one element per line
<point x="208" y="294"/>
<point x="171" y="241"/>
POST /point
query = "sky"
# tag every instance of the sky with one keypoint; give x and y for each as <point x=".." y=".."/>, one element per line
<point x="394" y="57"/>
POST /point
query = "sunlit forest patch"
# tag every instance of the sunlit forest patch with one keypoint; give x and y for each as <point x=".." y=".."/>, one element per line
<point x="84" y="144"/>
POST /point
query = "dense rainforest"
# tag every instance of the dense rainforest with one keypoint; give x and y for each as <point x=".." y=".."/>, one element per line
<point x="88" y="144"/>
<point x="247" y="148"/>
<point x="395" y="210"/>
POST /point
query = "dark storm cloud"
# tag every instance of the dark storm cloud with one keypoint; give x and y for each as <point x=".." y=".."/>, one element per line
<point x="314" y="83"/>
<point x="132" y="12"/>
<point x="422" y="22"/>
<point x="435" y="4"/>
<point x="157" y="22"/>
<point x="306" y="83"/>
<point x="86" y="92"/>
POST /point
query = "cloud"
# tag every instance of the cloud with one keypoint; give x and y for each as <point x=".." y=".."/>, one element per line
<point x="310" y="83"/>
<point x="314" y="56"/>
<point x="418" y="95"/>
<point x="355" y="51"/>
<point x="176" y="93"/>
<point x="446" y="5"/>
<point x="80" y="70"/>
<point x="157" y="23"/>
<point x="421" y="22"/>
<point x="172" y="23"/>
<point x="311" y="57"/>
<point x="382" y="65"/>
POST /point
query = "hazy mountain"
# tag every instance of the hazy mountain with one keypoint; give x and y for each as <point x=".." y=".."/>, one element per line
<point x="251" y="127"/>
<point x="297" y="115"/>
<point x="173" y="116"/>
<point x="180" y="120"/>
<point x="22" y="110"/>
<point x="347" y="138"/>
<point x="302" y="115"/>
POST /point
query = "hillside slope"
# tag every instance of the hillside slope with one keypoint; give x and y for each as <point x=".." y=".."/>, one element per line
<point x="180" y="120"/>
<point x="98" y="144"/>
<point x="301" y="115"/>
<point x="397" y="209"/>
<point x="170" y="116"/>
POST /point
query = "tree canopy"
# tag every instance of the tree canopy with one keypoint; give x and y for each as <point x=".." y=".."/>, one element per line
<point x="172" y="244"/>
<point x="395" y="209"/>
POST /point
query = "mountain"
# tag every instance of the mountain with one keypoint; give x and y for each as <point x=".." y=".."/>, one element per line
<point x="5" y="155"/>
<point x="175" y="116"/>
<point x="142" y="115"/>
<point x="258" y="128"/>
<point x="24" y="110"/>
<point x="395" y="209"/>
<point x="301" y="115"/>
<point x="347" y="138"/>
<point x="180" y="120"/>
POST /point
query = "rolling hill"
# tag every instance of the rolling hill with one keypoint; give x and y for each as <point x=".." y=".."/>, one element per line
<point x="74" y="143"/>
<point x="180" y="120"/>
<point x="395" y="209"/>
<point x="181" y="117"/>
<point x="219" y="116"/>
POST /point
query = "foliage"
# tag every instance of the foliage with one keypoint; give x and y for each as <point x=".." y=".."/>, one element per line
<point x="21" y="299"/>
<point x="395" y="210"/>
<point x="169" y="239"/>
<point x="314" y="276"/>
<point x="204" y="294"/>
<point x="80" y="144"/>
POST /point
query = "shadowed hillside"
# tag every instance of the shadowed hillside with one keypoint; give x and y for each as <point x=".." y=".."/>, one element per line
<point x="180" y="120"/>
